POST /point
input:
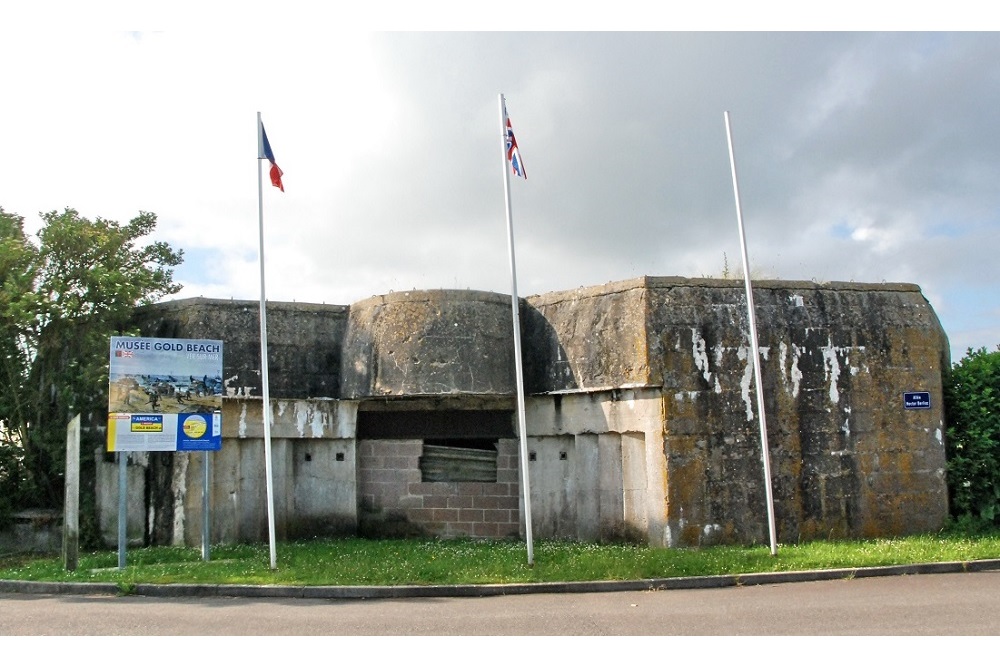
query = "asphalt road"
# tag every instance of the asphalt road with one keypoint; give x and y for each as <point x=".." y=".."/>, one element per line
<point x="911" y="605"/>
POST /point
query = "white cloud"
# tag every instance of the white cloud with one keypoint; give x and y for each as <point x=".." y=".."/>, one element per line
<point x="862" y="156"/>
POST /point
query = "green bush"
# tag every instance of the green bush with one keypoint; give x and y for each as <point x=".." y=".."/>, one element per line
<point x="972" y="411"/>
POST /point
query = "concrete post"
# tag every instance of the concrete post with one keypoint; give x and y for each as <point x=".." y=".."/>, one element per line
<point x="71" y="509"/>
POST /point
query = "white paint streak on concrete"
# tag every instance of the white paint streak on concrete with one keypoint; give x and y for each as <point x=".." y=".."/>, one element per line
<point x="308" y="417"/>
<point x="782" y="359"/>
<point x="700" y="355"/>
<point x="831" y="363"/>
<point x="792" y="375"/>
<point x="230" y="391"/>
<point x="301" y="417"/>
<point x="831" y="366"/>
<point x="938" y="434"/>
<point x="744" y="355"/>
<point x="795" y="372"/>
<point x="242" y="429"/>
<point x="717" y="354"/>
<point x="319" y="423"/>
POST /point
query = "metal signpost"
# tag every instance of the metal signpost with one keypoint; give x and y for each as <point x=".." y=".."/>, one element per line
<point x="164" y="395"/>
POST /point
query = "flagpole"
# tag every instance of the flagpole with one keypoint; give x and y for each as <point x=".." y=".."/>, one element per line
<point x="755" y="353"/>
<point x="266" y="405"/>
<point x="521" y="420"/>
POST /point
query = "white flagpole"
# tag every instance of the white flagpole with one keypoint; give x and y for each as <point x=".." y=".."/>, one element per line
<point x="522" y="428"/>
<point x="266" y="406"/>
<point x="755" y="354"/>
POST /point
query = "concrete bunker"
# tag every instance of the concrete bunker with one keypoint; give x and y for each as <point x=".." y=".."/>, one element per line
<point x="396" y="416"/>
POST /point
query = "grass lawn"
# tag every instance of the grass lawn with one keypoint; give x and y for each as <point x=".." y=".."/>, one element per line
<point x="355" y="561"/>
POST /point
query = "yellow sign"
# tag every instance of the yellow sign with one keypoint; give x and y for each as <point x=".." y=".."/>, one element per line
<point x="195" y="426"/>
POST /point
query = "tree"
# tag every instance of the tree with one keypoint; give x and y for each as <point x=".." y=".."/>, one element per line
<point x="972" y="412"/>
<point x="60" y="301"/>
<point x="17" y="262"/>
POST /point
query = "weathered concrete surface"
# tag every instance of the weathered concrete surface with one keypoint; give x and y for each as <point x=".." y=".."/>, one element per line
<point x="37" y="530"/>
<point x="429" y="342"/>
<point x="590" y="338"/>
<point x="642" y="419"/>
<point x="847" y="459"/>
<point x="303" y="342"/>
<point x="599" y="471"/>
<point x="313" y="458"/>
<point x="136" y="500"/>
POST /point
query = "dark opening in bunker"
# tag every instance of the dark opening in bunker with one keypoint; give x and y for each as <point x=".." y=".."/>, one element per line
<point x="459" y="460"/>
<point x="458" y="445"/>
<point x="435" y="424"/>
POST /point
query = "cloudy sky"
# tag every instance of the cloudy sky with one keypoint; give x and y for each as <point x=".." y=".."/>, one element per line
<point x="864" y="156"/>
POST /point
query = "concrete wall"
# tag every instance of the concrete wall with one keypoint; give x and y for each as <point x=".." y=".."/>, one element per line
<point x="599" y="471"/>
<point x="33" y="531"/>
<point x="429" y="343"/>
<point x="314" y="479"/>
<point x="641" y="418"/>
<point x="304" y="342"/>
<point x="136" y="505"/>
<point x="394" y="501"/>
<point x="847" y="458"/>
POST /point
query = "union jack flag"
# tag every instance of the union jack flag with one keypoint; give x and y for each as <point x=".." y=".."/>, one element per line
<point x="513" y="154"/>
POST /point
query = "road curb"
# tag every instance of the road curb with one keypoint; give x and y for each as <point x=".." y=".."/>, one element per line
<point x="486" y="590"/>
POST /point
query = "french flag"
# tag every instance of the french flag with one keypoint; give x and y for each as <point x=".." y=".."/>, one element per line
<point x="268" y="154"/>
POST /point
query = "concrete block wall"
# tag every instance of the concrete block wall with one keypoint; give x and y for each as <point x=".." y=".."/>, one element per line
<point x="393" y="501"/>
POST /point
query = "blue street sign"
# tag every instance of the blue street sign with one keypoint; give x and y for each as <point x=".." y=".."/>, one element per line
<point x="917" y="400"/>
